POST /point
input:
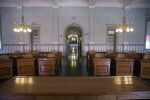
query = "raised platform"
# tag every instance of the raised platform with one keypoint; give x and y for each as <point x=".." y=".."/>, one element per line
<point x="74" y="88"/>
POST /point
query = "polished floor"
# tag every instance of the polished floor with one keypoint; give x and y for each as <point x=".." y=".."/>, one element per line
<point x="74" y="64"/>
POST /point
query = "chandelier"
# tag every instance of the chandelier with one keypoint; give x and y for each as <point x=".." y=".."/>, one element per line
<point x="125" y="26"/>
<point x="22" y="27"/>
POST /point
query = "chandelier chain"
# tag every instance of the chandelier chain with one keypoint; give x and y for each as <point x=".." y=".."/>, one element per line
<point x="22" y="27"/>
<point x="128" y="27"/>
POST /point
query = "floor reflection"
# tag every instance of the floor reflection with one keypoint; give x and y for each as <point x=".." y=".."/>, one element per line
<point x="72" y="64"/>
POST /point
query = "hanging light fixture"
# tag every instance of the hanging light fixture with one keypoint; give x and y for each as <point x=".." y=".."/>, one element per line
<point x="125" y="26"/>
<point x="22" y="27"/>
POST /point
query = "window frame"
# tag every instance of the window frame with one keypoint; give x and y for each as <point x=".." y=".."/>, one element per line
<point x="35" y="27"/>
<point x="147" y="19"/>
<point x="1" y="33"/>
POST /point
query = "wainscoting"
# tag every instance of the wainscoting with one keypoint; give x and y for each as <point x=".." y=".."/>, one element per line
<point x="139" y="48"/>
<point x="11" y="48"/>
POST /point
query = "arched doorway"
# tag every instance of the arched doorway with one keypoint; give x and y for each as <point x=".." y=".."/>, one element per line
<point x="74" y="40"/>
<point x="73" y="52"/>
<point x="71" y="28"/>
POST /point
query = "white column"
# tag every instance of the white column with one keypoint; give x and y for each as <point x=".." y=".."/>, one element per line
<point x="91" y="38"/>
<point x="55" y="28"/>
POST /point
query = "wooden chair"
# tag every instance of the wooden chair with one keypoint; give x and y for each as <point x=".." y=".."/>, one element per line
<point x="35" y="53"/>
<point x="25" y="66"/>
<point x="110" y="54"/>
<point x="47" y="65"/>
<point x="60" y="58"/>
<point x="90" y="57"/>
<point x="124" y="66"/>
<point x="5" y="67"/>
<point x="145" y="67"/>
<point x="57" y="57"/>
<point x="133" y="55"/>
<point x="101" y="65"/>
<point x="17" y="54"/>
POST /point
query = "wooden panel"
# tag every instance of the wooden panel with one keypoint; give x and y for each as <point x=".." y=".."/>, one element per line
<point x="46" y="66"/>
<point x="6" y="69"/>
<point x="55" y="98"/>
<point x="25" y="67"/>
<point x="16" y="97"/>
<point x="101" y="67"/>
<point x="101" y="97"/>
<point x="145" y="69"/>
<point x="124" y="67"/>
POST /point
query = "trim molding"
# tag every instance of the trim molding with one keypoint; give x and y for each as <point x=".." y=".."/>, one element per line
<point x="11" y="48"/>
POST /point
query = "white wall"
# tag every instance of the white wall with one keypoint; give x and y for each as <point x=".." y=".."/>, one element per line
<point x="101" y="16"/>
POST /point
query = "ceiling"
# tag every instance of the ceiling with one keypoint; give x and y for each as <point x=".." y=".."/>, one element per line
<point x="76" y="3"/>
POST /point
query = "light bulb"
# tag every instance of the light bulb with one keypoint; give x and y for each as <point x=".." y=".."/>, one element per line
<point x="117" y="30"/>
<point x="131" y="29"/>
<point x="20" y="29"/>
<point x="28" y="29"/>
<point x="24" y="31"/>
<point x="15" y="29"/>
<point x="127" y="29"/>
<point x="120" y="30"/>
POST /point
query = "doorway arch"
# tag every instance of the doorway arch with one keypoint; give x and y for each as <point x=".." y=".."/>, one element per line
<point x="82" y="39"/>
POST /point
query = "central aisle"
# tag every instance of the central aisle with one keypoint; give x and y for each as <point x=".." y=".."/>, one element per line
<point x="73" y="63"/>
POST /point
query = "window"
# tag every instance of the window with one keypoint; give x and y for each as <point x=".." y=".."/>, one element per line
<point x="111" y="37"/>
<point x="147" y="36"/>
<point x="0" y="34"/>
<point x="35" y="37"/>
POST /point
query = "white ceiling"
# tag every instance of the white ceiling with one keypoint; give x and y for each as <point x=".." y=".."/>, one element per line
<point x="76" y="3"/>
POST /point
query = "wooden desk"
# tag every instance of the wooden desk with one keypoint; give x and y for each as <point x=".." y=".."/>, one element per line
<point x="101" y="66"/>
<point x="46" y="66"/>
<point x="6" y="69"/>
<point x="124" y="67"/>
<point x="145" y="69"/>
<point x="74" y="88"/>
<point x="25" y="67"/>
